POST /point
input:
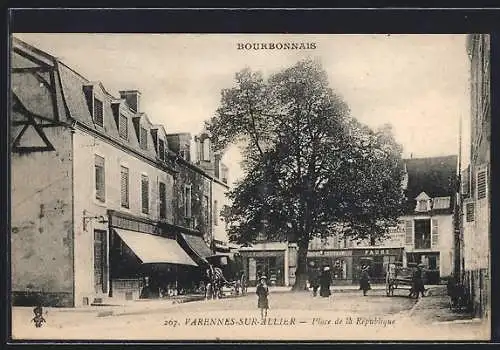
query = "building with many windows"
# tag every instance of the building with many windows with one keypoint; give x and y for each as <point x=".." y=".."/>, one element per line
<point x="424" y="234"/>
<point x="101" y="197"/>
<point x="476" y="181"/>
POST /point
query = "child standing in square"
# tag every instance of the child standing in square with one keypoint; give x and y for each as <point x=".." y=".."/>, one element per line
<point x="262" y="293"/>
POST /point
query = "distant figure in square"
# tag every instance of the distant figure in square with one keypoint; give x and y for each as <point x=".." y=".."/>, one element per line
<point x="418" y="287"/>
<point x="262" y="293"/>
<point x="314" y="280"/>
<point x="364" y="281"/>
<point x="325" y="281"/>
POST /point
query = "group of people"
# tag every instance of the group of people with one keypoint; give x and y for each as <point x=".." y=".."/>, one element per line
<point x="321" y="281"/>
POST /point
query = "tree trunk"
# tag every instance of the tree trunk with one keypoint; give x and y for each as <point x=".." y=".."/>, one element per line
<point x="301" y="272"/>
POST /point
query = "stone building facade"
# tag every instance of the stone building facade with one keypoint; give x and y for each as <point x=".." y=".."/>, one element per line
<point x="101" y="196"/>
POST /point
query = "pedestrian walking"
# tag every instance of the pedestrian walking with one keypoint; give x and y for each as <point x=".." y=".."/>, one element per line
<point x="418" y="286"/>
<point x="325" y="281"/>
<point x="262" y="293"/>
<point x="314" y="280"/>
<point x="364" y="281"/>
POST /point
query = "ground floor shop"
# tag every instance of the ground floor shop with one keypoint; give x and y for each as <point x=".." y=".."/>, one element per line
<point x="345" y="264"/>
<point x="431" y="262"/>
<point x="276" y="261"/>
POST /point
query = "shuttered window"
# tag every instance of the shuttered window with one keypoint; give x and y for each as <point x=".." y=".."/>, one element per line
<point x="469" y="212"/>
<point x="409" y="232"/>
<point x="161" y="149"/>
<point x="98" y="112"/>
<point x="206" y="204"/>
<point x="124" y="187"/>
<point x="481" y="184"/>
<point x="145" y="194"/>
<point x="123" y="127"/>
<point x="216" y="213"/>
<point x="100" y="183"/>
<point x="434" y="233"/>
<point x="144" y="138"/>
<point x="163" y="201"/>
<point x="187" y="201"/>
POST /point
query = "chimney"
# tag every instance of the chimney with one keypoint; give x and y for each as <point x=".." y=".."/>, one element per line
<point x="132" y="98"/>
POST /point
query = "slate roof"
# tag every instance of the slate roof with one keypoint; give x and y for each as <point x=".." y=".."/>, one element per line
<point x="436" y="176"/>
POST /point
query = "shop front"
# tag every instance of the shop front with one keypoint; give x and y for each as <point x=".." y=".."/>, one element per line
<point x="145" y="261"/>
<point x="338" y="260"/>
<point x="377" y="258"/>
<point x="259" y="261"/>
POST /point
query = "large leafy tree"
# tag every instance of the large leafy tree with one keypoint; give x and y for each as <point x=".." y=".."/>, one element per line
<point x="311" y="170"/>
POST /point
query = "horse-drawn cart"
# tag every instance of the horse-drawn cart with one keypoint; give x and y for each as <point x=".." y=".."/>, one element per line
<point x="398" y="277"/>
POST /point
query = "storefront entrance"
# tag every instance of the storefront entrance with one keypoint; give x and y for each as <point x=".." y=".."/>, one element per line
<point x="271" y="264"/>
<point x="430" y="261"/>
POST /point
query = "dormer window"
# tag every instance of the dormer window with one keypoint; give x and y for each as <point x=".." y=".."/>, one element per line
<point x="123" y="127"/>
<point x="98" y="112"/>
<point x="143" y="138"/>
<point x="423" y="202"/>
<point x="161" y="149"/>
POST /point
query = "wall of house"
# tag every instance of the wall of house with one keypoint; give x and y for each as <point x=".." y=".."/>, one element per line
<point x="219" y="196"/>
<point x="200" y="187"/>
<point x="86" y="147"/>
<point x="42" y="222"/>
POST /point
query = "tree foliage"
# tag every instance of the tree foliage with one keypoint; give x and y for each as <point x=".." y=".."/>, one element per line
<point x="311" y="170"/>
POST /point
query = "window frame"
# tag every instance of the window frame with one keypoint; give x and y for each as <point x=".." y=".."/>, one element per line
<point x="94" y="117"/>
<point x="101" y="198"/>
<point x="124" y="136"/>
<point x="127" y="204"/>
<point x="145" y="205"/>
<point x="162" y="214"/>
<point x="143" y="138"/>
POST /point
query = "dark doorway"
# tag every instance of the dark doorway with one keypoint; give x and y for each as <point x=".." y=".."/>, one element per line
<point x="100" y="261"/>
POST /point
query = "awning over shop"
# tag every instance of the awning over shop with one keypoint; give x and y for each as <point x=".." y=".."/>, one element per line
<point x="152" y="249"/>
<point x="197" y="245"/>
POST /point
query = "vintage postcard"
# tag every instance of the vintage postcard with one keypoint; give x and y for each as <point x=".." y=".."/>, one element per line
<point x="250" y="187"/>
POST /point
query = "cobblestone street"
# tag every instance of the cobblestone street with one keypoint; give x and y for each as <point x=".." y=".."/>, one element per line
<point x="292" y="316"/>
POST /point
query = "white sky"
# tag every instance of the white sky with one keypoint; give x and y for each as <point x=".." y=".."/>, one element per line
<point x="418" y="83"/>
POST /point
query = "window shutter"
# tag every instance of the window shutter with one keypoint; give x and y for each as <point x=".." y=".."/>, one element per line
<point x="409" y="232"/>
<point x="435" y="233"/>
<point x="466" y="182"/>
<point x="100" y="186"/>
<point x="123" y="127"/>
<point x="144" y="138"/>
<point x="161" y="149"/>
<point x="145" y="194"/>
<point x="481" y="184"/>
<point x="98" y="112"/>
<point x="163" y="201"/>
<point x="216" y="213"/>
<point x="124" y="187"/>
<point x="469" y="212"/>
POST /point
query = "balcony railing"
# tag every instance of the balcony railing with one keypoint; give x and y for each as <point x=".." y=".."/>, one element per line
<point x="422" y="244"/>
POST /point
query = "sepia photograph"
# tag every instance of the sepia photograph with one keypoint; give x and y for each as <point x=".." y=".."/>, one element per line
<point x="250" y="187"/>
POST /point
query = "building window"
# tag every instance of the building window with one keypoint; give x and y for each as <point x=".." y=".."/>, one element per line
<point x="206" y="149"/>
<point x="441" y="203"/>
<point x="144" y="138"/>
<point x="216" y="213"/>
<point x="100" y="182"/>
<point x="469" y="212"/>
<point x="187" y="201"/>
<point x="161" y="149"/>
<point x="145" y="194"/>
<point x="163" y="201"/>
<point x="124" y="187"/>
<point x="123" y="127"/>
<point x="98" y="112"/>
<point x="481" y="184"/>
<point x="422" y="205"/>
<point x="423" y="234"/>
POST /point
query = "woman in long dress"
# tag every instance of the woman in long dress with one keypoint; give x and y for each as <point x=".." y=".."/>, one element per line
<point x="325" y="281"/>
<point x="364" y="281"/>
